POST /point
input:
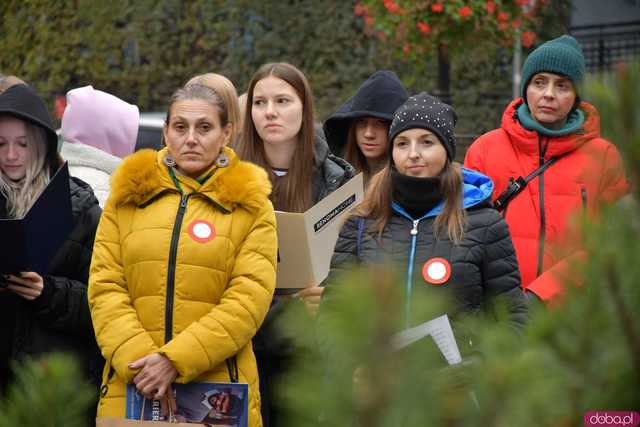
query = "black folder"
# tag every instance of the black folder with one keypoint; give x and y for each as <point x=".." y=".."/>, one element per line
<point x="28" y="244"/>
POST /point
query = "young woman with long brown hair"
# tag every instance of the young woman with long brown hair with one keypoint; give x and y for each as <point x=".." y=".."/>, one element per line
<point x="279" y="134"/>
<point x="434" y="218"/>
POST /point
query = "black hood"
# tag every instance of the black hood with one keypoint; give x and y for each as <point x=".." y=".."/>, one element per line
<point x="22" y="102"/>
<point x="379" y="96"/>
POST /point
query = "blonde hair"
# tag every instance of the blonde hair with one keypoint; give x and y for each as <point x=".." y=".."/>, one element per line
<point x="224" y="88"/>
<point x="452" y="219"/>
<point x="7" y="81"/>
<point x="21" y="195"/>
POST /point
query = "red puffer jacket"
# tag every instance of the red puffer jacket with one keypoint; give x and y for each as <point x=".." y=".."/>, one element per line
<point x="588" y="173"/>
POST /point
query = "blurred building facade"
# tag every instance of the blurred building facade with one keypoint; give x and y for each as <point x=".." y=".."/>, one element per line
<point x="609" y="31"/>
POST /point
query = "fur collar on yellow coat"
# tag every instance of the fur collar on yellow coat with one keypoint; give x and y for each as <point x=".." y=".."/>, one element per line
<point x="222" y="281"/>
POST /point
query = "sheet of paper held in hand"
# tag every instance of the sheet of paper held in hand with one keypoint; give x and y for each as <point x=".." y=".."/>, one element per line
<point x="306" y="240"/>
<point x="441" y="332"/>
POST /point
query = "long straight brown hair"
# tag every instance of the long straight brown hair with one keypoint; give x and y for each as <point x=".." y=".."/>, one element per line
<point x="354" y="156"/>
<point x="292" y="192"/>
<point x="377" y="202"/>
<point x="352" y="153"/>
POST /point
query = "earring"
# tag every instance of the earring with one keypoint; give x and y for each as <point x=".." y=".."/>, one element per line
<point x="169" y="160"/>
<point x="222" y="161"/>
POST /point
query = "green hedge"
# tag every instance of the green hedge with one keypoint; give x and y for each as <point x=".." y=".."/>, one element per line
<point x="143" y="50"/>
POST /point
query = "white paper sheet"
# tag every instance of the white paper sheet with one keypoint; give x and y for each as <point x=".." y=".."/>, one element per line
<point x="441" y="332"/>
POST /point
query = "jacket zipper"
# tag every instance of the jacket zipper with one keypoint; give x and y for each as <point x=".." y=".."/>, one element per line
<point x="583" y="195"/>
<point x="409" y="286"/>
<point x="542" y="217"/>
<point x="171" y="273"/>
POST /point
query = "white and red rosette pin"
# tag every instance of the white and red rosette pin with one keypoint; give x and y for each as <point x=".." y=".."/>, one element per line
<point x="436" y="271"/>
<point x="202" y="231"/>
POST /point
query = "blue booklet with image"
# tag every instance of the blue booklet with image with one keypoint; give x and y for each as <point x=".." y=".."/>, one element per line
<point x="222" y="404"/>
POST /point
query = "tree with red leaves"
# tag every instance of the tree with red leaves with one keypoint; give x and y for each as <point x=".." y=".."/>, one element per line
<point x="419" y="27"/>
<point x="457" y="24"/>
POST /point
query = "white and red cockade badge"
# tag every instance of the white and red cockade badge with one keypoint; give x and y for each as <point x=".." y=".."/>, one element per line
<point x="436" y="271"/>
<point x="202" y="231"/>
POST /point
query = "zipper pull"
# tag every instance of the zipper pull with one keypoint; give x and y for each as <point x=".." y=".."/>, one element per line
<point x="183" y="200"/>
<point x="414" y="230"/>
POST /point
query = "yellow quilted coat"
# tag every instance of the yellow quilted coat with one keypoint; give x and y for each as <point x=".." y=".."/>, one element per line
<point x="188" y="276"/>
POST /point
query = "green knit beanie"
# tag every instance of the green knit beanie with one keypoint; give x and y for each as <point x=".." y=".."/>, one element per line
<point x="559" y="56"/>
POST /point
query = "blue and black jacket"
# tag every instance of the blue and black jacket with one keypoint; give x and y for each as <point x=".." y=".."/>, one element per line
<point x="479" y="271"/>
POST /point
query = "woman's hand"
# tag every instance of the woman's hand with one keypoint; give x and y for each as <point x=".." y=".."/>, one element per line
<point x="28" y="285"/>
<point x="155" y="376"/>
<point x="311" y="297"/>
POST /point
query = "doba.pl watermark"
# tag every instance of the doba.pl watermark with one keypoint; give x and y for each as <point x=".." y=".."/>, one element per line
<point x="611" y="419"/>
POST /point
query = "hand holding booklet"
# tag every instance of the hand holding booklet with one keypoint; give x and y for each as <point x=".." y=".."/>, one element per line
<point x="32" y="241"/>
<point x="306" y="240"/>
<point x="196" y="403"/>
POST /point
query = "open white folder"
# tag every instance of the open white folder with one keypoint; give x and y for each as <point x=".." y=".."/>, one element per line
<point x="306" y="240"/>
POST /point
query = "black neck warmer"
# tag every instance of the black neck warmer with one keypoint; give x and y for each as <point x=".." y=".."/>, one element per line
<point x="416" y="195"/>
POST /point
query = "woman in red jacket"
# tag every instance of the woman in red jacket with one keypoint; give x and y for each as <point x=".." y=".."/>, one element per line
<point x="552" y="137"/>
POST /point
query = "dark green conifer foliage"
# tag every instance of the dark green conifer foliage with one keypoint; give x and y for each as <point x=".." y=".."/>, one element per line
<point x="47" y="392"/>
<point x="578" y="355"/>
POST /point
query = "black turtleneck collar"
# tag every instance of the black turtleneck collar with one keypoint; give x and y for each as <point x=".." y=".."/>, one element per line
<point x="416" y="195"/>
<point x="3" y="207"/>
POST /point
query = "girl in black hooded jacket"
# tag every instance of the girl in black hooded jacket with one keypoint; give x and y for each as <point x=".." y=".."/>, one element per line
<point x="46" y="311"/>
<point x="358" y="130"/>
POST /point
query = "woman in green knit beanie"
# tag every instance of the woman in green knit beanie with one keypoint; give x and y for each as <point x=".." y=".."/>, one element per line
<point x="549" y="130"/>
<point x="555" y="69"/>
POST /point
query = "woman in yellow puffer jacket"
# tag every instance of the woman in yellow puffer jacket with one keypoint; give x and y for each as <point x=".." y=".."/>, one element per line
<point x="184" y="262"/>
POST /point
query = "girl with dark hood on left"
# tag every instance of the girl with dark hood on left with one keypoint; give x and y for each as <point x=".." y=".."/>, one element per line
<point x="358" y="129"/>
<point x="48" y="312"/>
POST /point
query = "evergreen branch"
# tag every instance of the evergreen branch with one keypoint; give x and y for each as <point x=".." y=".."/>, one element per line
<point x="626" y="320"/>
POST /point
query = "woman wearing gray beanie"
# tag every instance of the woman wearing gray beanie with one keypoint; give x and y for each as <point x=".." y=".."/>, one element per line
<point x="548" y="162"/>
<point x="435" y="220"/>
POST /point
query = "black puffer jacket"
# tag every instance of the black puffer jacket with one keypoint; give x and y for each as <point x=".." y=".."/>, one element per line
<point x="59" y="319"/>
<point x="330" y="171"/>
<point x="273" y="352"/>
<point x="483" y="267"/>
